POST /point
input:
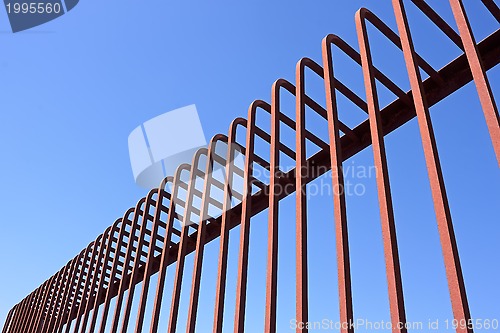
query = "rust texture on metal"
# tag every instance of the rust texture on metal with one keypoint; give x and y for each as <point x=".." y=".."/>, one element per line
<point x="107" y="285"/>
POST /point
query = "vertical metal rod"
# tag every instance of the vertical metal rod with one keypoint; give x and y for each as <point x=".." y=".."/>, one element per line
<point x="445" y="225"/>
<point x="162" y="272"/>
<point x="86" y="291"/>
<point x="33" y="309"/>
<point x="114" y="269"/>
<point x="179" y="270"/>
<point x="272" y="237"/>
<point x="393" y="270"/>
<point x="7" y="321"/>
<point x="56" y="298"/>
<point x="30" y="310"/>
<point x="68" y="292"/>
<point x="32" y="321"/>
<point x="12" y="324"/>
<point x="151" y="252"/>
<point x="63" y="287"/>
<point x="43" y="306"/>
<point x="220" y="288"/>
<point x="27" y="310"/>
<point x="99" y="272"/>
<point x="246" y="213"/>
<point x="85" y="265"/>
<point x="36" y="309"/>
<point x="47" y="314"/>
<point x="19" y="316"/>
<point x="174" y="308"/>
<point x="43" y="303"/>
<point x="53" y="300"/>
<point x="126" y="263"/>
<point x="64" y="294"/>
<point x="341" y="232"/>
<point x="137" y="259"/>
<point x="301" y="292"/>
<point x="166" y="250"/>
<point x="35" y="321"/>
<point x="16" y="319"/>
<point x="17" y="327"/>
<point x="200" y="239"/>
<point x="107" y="257"/>
<point x="478" y="73"/>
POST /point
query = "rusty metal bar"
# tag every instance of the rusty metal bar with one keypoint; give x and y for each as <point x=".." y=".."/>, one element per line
<point x="99" y="274"/>
<point x="23" y="314"/>
<point x="393" y="270"/>
<point x="51" y="312"/>
<point x="67" y="292"/>
<point x="272" y="226"/>
<point x="43" y="305"/>
<point x="445" y="225"/>
<point x="26" y="311"/>
<point x="63" y="287"/>
<point x="90" y="280"/>
<point x="162" y="272"/>
<point x="478" y="73"/>
<point x="107" y="257"/>
<point x="18" y="318"/>
<point x="181" y="253"/>
<point x="126" y="263"/>
<point x="35" y="296"/>
<point x="154" y="236"/>
<point x="51" y="305"/>
<point x="241" y="282"/>
<point x="137" y="259"/>
<point x="114" y="269"/>
<point x="200" y="240"/>
<point x="36" y="307"/>
<point x="83" y="274"/>
<point x="8" y="321"/>
<point x="14" y="318"/>
<point x="224" y="234"/>
<point x="339" y="203"/>
<point x="301" y="311"/>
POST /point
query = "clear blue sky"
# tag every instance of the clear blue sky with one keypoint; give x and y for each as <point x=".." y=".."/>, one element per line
<point x="73" y="89"/>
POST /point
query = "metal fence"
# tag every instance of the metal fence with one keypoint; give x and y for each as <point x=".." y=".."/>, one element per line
<point x="184" y="213"/>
